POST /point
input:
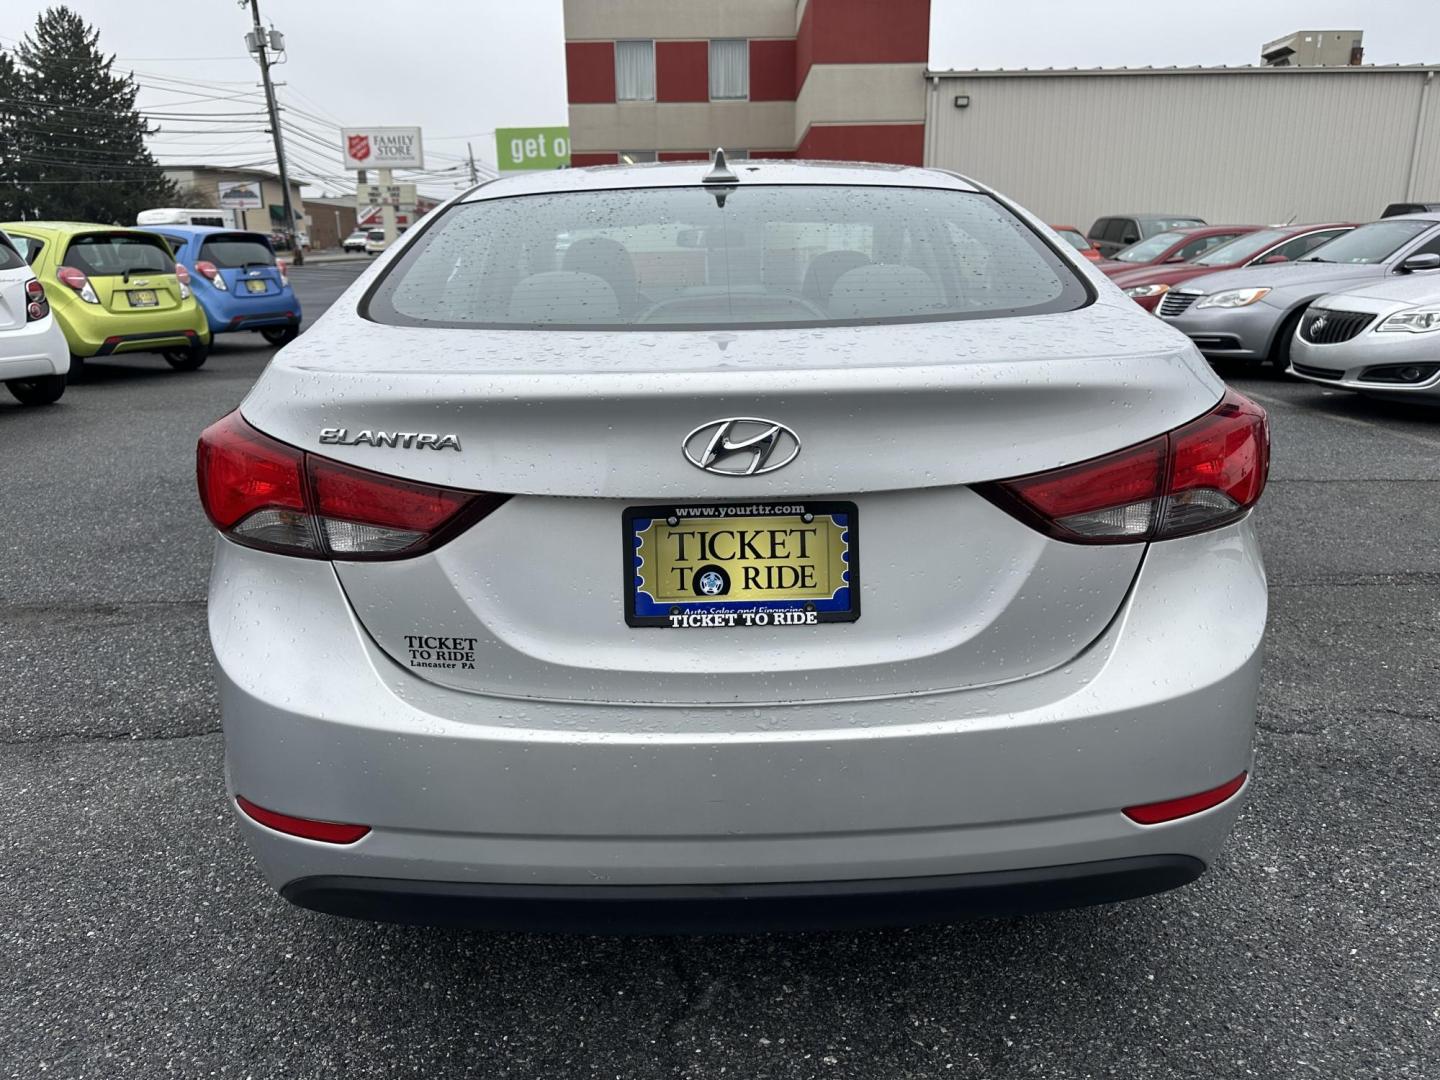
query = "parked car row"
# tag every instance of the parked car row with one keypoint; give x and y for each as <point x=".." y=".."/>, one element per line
<point x="109" y="291"/>
<point x="1348" y="306"/>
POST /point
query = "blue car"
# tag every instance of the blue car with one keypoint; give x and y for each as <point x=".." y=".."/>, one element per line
<point x="237" y="279"/>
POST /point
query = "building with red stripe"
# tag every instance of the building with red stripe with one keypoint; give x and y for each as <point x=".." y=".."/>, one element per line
<point x="670" y="80"/>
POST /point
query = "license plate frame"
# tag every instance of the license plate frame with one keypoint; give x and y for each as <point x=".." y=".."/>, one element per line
<point x="841" y="528"/>
<point x="143" y="298"/>
<point x="255" y="285"/>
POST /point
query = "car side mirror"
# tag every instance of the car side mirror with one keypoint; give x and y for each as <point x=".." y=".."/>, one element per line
<point x="1428" y="261"/>
<point x="1175" y="258"/>
<point x="1271" y="260"/>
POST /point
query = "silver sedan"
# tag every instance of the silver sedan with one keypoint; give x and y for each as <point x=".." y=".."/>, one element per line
<point x="1382" y="341"/>
<point x="653" y="548"/>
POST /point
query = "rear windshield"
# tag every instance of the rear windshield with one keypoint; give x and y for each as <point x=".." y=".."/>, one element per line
<point x="233" y="252"/>
<point x="1239" y="249"/>
<point x="1074" y="239"/>
<point x="765" y="255"/>
<point x="1153" y="248"/>
<point x="1371" y="243"/>
<point x="111" y="254"/>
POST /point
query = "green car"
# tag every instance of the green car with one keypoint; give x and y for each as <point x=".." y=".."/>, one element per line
<point x="115" y="291"/>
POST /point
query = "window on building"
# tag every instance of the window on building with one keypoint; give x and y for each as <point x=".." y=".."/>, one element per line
<point x="634" y="71"/>
<point x="729" y="69"/>
<point x="636" y="157"/>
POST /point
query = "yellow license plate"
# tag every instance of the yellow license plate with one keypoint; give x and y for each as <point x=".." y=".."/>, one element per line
<point x="255" y="284"/>
<point x="743" y="565"/>
<point x="144" y="298"/>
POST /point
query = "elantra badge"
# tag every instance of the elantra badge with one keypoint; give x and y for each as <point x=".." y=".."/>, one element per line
<point x="409" y="440"/>
<point x="741" y="446"/>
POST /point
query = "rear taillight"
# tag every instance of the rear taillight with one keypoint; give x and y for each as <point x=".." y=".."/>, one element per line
<point x="37" y="305"/>
<point x="1202" y="475"/>
<point x="77" y="280"/>
<point x="264" y="494"/>
<point x="284" y="271"/>
<point x="210" y="273"/>
<point x="182" y="278"/>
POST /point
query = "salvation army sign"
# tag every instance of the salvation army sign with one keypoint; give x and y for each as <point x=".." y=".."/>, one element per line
<point x="382" y="148"/>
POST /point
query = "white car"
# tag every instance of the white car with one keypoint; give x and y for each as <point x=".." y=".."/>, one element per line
<point x="1382" y="341"/>
<point x="375" y="242"/>
<point x="34" y="358"/>
<point x="356" y="240"/>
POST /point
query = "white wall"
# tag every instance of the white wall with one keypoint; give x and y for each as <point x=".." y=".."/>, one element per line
<point x="1245" y="145"/>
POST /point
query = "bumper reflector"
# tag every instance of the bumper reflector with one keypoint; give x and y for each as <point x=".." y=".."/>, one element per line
<point x="1170" y="809"/>
<point x="327" y="832"/>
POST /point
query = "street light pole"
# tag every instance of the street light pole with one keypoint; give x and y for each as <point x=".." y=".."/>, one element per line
<point x="261" y="43"/>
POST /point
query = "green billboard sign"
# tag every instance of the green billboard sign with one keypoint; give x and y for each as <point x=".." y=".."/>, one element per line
<point x="532" y="148"/>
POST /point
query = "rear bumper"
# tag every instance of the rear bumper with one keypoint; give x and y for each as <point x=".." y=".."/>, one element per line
<point x="105" y="340"/>
<point x="227" y="314"/>
<point x="812" y="905"/>
<point x="32" y="350"/>
<point x="468" y="791"/>
<point x="151" y="342"/>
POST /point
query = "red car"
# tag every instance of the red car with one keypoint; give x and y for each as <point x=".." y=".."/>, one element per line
<point x="1079" y="241"/>
<point x="1147" y="285"/>
<point x="1174" y="246"/>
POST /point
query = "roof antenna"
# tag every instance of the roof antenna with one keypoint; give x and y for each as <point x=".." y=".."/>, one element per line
<point x="720" y="172"/>
<point x="721" y="176"/>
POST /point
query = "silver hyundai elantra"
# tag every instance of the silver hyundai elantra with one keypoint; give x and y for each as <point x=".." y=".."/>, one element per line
<point x="670" y="548"/>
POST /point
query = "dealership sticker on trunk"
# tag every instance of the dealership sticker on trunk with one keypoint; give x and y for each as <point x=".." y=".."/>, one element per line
<point x="754" y="564"/>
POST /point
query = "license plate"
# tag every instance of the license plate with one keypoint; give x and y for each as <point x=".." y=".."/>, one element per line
<point x="254" y="285"/>
<point x="742" y="565"/>
<point x="143" y="298"/>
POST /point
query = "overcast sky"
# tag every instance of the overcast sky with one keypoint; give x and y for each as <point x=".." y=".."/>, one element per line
<point x="461" y="68"/>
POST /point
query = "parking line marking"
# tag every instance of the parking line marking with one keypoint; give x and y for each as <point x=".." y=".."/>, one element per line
<point x="1266" y="399"/>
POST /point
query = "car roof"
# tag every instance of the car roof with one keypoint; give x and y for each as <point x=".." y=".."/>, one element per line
<point x="197" y="230"/>
<point x="1191" y="230"/>
<point x="1154" y="217"/>
<point x="687" y="173"/>
<point x="66" y="228"/>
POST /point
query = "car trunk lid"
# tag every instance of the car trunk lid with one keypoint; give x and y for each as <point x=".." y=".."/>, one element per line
<point x="895" y="420"/>
<point x="131" y="272"/>
<point x="246" y="262"/>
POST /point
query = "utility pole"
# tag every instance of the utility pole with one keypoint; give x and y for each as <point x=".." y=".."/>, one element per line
<point x="261" y="42"/>
<point x="474" y="177"/>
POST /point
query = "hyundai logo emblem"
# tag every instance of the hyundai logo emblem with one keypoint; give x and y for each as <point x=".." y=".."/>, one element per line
<point x="741" y="446"/>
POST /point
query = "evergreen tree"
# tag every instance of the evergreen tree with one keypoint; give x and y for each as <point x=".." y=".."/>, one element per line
<point x="11" y="93"/>
<point x="79" y="143"/>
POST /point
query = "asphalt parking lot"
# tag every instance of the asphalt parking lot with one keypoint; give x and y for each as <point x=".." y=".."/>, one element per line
<point x="138" y="940"/>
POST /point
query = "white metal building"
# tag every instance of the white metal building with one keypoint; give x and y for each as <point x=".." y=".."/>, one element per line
<point x="1252" y="144"/>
